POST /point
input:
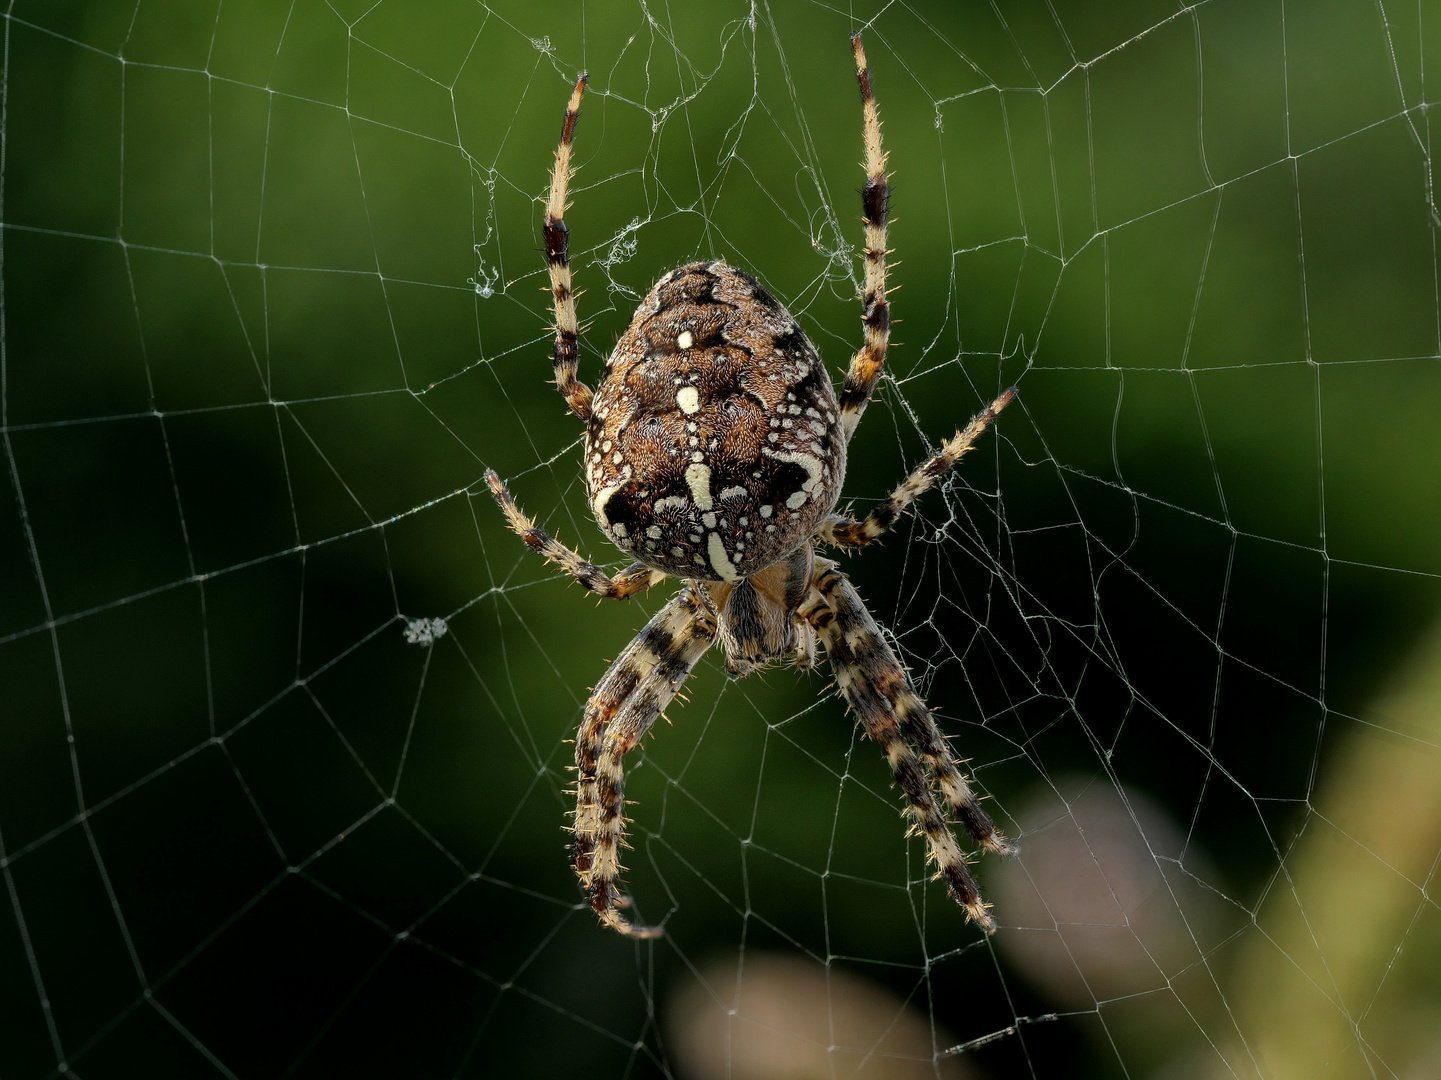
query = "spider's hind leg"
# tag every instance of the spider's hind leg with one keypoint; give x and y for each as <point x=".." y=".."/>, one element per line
<point x="877" y="687"/>
<point x="633" y="579"/>
<point x="626" y="702"/>
<point x="866" y="364"/>
<point x="565" y="354"/>
<point x="844" y="532"/>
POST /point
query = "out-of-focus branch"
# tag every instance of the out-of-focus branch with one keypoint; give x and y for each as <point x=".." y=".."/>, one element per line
<point x="1323" y="988"/>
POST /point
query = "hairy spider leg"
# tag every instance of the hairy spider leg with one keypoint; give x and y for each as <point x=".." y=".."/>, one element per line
<point x="865" y="367"/>
<point x="877" y="687"/>
<point x="627" y="701"/>
<point x="846" y="532"/>
<point x="637" y="577"/>
<point x="566" y="352"/>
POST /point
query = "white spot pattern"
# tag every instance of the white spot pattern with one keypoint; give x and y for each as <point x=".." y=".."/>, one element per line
<point x="720" y="559"/>
<point x="697" y="476"/>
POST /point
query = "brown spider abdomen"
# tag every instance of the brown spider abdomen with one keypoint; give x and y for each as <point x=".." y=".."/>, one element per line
<point x="714" y="446"/>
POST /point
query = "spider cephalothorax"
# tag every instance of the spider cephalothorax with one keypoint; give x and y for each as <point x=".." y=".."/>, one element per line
<point x="715" y="450"/>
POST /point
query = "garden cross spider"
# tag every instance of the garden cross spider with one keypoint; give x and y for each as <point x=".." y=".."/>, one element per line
<point x="715" y="449"/>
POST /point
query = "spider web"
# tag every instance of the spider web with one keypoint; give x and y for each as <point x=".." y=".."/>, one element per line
<point x="284" y="710"/>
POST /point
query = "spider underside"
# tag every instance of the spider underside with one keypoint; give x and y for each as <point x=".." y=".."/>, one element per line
<point x="715" y="451"/>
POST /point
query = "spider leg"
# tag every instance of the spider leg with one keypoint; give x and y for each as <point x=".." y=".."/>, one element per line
<point x="805" y="647"/>
<point x="627" y="701"/>
<point x="865" y="366"/>
<point x="566" y="351"/>
<point x="845" y="532"/>
<point x="877" y="687"/>
<point x="633" y="579"/>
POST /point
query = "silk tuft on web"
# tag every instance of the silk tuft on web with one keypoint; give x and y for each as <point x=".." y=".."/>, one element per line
<point x="285" y="710"/>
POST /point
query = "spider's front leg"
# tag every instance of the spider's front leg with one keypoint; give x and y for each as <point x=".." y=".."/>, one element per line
<point x="877" y="687"/>
<point x="631" y="695"/>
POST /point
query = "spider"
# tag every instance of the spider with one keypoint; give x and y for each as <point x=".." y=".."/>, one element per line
<point x="715" y="449"/>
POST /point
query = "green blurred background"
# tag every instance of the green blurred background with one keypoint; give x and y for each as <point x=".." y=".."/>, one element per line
<point x="274" y="298"/>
